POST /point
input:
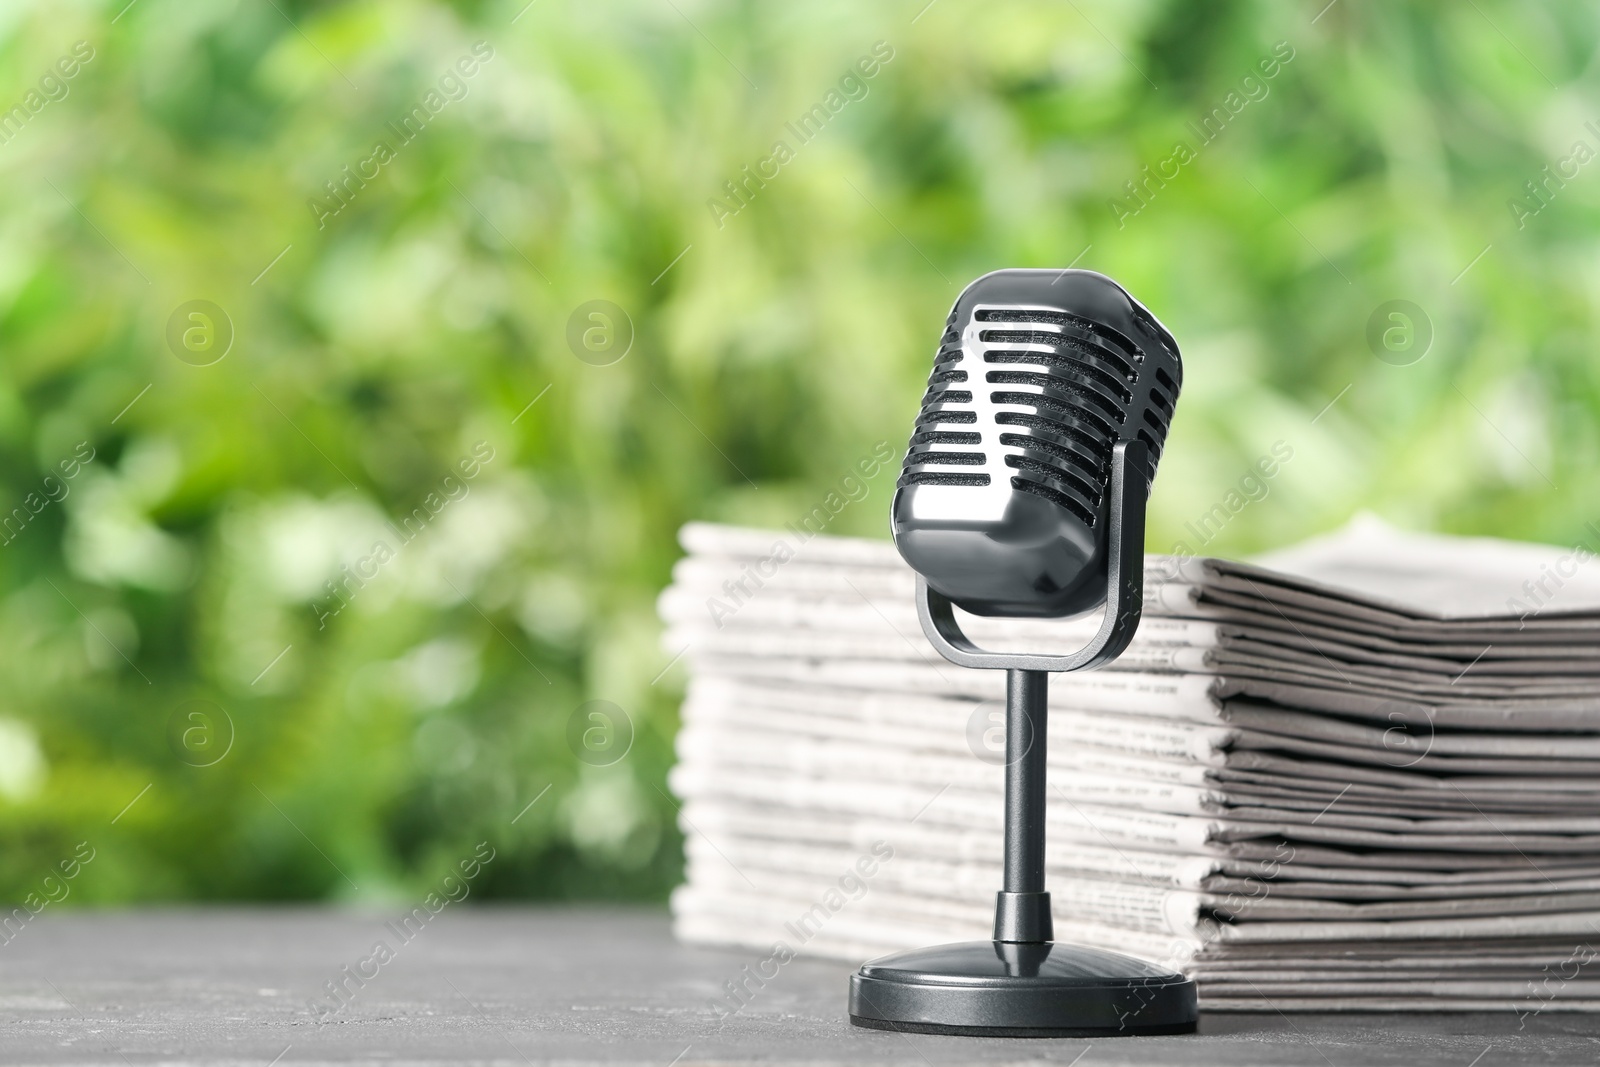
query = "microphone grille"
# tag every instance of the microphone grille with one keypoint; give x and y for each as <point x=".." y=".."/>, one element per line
<point x="1031" y="394"/>
<point x="945" y="431"/>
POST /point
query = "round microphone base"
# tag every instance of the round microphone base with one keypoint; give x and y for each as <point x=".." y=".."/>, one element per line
<point x="1006" y="989"/>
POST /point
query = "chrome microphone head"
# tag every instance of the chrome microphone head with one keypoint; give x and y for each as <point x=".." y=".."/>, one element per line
<point x="1002" y="503"/>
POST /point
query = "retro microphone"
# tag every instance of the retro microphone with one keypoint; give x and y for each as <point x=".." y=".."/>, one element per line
<point x="1023" y="495"/>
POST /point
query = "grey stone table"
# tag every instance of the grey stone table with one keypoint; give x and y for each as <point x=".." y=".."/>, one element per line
<point x="536" y="986"/>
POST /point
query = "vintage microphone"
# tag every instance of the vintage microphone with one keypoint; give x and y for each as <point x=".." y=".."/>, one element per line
<point x="1023" y="495"/>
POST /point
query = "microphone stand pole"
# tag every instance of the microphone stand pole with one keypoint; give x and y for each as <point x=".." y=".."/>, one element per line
<point x="1022" y="908"/>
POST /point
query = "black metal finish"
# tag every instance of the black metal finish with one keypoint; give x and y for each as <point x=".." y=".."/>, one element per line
<point x="992" y="989"/>
<point x="1124" y="598"/>
<point x="1002" y="499"/>
<point x="1028" y="500"/>
<point x="1022" y="909"/>
<point x="1023" y="983"/>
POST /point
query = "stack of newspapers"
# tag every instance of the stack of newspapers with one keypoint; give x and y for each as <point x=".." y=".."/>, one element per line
<point x="1363" y="773"/>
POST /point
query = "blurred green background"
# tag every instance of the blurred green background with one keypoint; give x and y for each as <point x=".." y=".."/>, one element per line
<point x="177" y="690"/>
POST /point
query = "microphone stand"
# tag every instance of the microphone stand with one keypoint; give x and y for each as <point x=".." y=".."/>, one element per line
<point x="1023" y="983"/>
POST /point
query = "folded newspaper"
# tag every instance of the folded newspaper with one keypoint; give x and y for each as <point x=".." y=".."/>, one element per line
<point x="1363" y="773"/>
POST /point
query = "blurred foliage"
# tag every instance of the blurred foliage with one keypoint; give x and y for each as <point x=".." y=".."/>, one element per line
<point x="772" y="347"/>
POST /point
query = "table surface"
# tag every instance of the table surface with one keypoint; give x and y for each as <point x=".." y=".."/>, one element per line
<point x="524" y="986"/>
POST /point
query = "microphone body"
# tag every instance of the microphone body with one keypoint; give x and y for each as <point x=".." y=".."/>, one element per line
<point x="1003" y="500"/>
